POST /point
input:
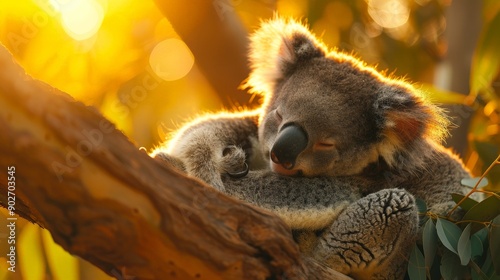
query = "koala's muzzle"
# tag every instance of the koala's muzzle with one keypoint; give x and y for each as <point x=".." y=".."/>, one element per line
<point x="291" y="141"/>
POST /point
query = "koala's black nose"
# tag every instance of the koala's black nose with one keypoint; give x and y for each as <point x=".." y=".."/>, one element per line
<point x="291" y="141"/>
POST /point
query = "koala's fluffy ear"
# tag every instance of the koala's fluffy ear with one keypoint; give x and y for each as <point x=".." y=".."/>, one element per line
<point x="405" y="118"/>
<point x="275" y="48"/>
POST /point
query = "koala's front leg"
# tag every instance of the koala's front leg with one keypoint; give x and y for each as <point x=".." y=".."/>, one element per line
<point x="372" y="237"/>
<point x="213" y="146"/>
<point x="302" y="202"/>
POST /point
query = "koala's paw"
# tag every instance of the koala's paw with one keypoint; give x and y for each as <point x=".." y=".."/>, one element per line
<point x="170" y="161"/>
<point x="233" y="162"/>
<point x="230" y="161"/>
<point x="372" y="237"/>
<point x="208" y="161"/>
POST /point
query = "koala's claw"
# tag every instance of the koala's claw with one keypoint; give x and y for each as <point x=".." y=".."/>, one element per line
<point x="239" y="174"/>
<point x="233" y="162"/>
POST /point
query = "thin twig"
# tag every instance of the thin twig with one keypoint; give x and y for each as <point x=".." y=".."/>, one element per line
<point x="495" y="162"/>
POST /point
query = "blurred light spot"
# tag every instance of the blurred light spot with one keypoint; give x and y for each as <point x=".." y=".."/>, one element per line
<point x="404" y="33"/>
<point x="432" y="29"/>
<point x="59" y="4"/>
<point x="81" y="19"/>
<point x="358" y="37"/>
<point x="422" y="2"/>
<point x="373" y="30"/>
<point x="490" y="108"/>
<point x="473" y="159"/>
<point x="493" y="129"/>
<point x="171" y="59"/>
<point x="389" y="14"/>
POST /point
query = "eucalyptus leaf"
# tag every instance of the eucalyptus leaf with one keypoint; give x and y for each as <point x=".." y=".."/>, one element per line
<point x="448" y="233"/>
<point x="467" y="204"/>
<point x="464" y="246"/>
<point x="429" y="240"/>
<point x="30" y="252"/>
<point x="477" y="246"/>
<point x="486" y="59"/>
<point x="488" y="153"/>
<point x="450" y="267"/>
<point x="62" y="265"/>
<point x="490" y="8"/>
<point x="416" y="265"/>
<point x="482" y="234"/>
<point x="488" y="268"/>
<point x="477" y="273"/>
<point x="484" y="211"/>
<point x="495" y="243"/>
<point x="437" y="95"/>
<point x="421" y="205"/>
<point x="471" y="182"/>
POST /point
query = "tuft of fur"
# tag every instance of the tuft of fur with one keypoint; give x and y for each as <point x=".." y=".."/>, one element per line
<point x="278" y="44"/>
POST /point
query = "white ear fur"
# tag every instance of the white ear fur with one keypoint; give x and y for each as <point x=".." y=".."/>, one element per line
<point x="276" y="45"/>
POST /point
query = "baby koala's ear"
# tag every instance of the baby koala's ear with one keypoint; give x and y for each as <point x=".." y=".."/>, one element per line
<point x="404" y="116"/>
<point x="275" y="48"/>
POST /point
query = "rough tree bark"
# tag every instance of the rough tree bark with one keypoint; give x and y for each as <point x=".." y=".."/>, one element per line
<point x="111" y="204"/>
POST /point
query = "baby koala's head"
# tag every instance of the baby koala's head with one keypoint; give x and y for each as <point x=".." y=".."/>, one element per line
<point x="326" y="112"/>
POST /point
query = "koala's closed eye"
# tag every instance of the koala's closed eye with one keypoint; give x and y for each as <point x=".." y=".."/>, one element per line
<point x="324" y="145"/>
<point x="278" y="115"/>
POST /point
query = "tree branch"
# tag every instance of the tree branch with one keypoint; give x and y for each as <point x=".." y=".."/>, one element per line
<point x="218" y="40"/>
<point x="80" y="178"/>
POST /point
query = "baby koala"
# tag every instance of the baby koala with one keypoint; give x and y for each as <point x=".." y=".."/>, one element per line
<point x="337" y="150"/>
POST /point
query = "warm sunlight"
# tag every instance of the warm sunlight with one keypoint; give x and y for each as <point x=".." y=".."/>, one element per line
<point x="358" y="107"/>
<point x="171" y="59"/>
<point x="389" y="14"/>
<point x="81" y="19"/>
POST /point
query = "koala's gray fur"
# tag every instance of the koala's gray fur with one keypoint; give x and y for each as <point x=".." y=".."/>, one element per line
<point x="338" y="150"/>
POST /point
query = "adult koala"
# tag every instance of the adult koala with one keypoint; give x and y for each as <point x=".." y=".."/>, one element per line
<point x="338" y="150"/>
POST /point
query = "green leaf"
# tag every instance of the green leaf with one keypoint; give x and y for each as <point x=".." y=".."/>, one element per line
<point x="471" y="182"/>
<point x="495" y="243"/>
<point x="448" y="233"/>
<point x="450" y="267"/>
<point x="437" y="95"/>
<point x="31" y="259"/>
<point x="422" y="210"/>
<point x="488" y="152"/>
<point x="482" y="234"/>
<point x="477" y="246"/>
<point x="416" y="265"/>
<point x="464" y="246"/>
<point x="488" y="268"/>
<point x="421" y="205"/>
<point x="484" y="211"/>
<point x="490" y="8"/>
<point x="62" y="265"/>
<point x="477" y="273"/>
<point x="429" y="240"/>
<point x="486" y="59"/>
<point x="467" y="204"/>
